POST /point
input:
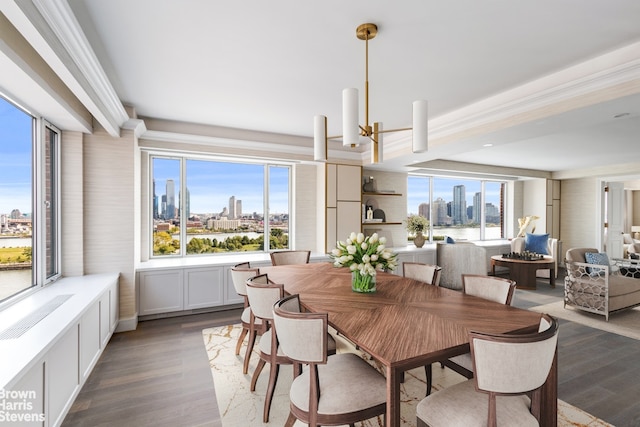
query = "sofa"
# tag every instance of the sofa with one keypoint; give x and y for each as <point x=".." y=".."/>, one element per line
<point x="518" y="245"/>
<point x="457" y="259"/>
<point x="598" y="287"/>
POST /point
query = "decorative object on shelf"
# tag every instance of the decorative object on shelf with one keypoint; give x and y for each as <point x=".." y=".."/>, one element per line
<point x="379" y="215"/>
<point x="364" y="255"/>
<point x="369" y="214"/>
<point x="416" y="224"/>
<point x="369" y="185"/>
<point x="523" y="223"/>
<point x="352" y="131"/>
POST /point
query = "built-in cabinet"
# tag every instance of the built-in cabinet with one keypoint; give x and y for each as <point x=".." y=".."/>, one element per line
<point x="175" y="289"/>
<point x="425" y="256"/>
<point x="343" y="202"/>
<point x="49" y="363"/>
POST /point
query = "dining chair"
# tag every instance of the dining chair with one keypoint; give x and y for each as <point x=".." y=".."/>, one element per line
<point x="239" y="275"/>
<point x="290" y="257"/>
<point x="510" y="370"/>
<point x="263" y="294"/>
<point x="334" y="390"/>
<point x="427" y="273"/>
<point x="492" y="288"/>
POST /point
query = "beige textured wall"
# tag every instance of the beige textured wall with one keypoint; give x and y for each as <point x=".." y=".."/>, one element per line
<point x="72" y="203"/>
<point x="111" y="203"/>
<point x="579" y="213"/>
<point x="305" y="208"/>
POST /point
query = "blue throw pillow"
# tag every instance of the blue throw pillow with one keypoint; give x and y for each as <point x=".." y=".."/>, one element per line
<point x="537" y="243"/>
<point x="600" y="258"/>
<point x="449" y="240"/>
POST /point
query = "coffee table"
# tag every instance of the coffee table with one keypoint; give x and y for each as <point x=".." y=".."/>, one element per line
<point x="524" y="272"/>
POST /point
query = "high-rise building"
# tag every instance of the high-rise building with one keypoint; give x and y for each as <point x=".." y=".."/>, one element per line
<point x="238" y="209"/>
<point x="423" y="210"/>
<point x="171" y="200"/>
<point x="459" y="206"/>
<point x="232" y="207"/>
<point x="440" y="216"/>
<point x="476" y="212"/>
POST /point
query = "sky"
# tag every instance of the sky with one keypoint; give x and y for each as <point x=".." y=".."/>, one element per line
<point x="15" y="159"/>
<point x="212" y="183"/>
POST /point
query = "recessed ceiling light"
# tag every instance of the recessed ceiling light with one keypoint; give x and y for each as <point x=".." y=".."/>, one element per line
<point x="488" y="145"/>
<point x="617" y="116"/>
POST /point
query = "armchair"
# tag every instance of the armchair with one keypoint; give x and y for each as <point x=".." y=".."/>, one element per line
<point x="518" y="246"/>
<point x="595" y="288"/>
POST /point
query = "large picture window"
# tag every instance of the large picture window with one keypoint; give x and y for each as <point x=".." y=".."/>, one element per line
<point x="458" y="208"/>
<point x="203" y="206"/>
<point x="29" y="194"/>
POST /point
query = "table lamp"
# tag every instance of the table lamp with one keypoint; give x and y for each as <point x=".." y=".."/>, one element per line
<point x="635" y="229"/>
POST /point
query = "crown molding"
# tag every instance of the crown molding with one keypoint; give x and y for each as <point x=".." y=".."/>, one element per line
<point x="593" y="76"/>
<point x="53" y="30"/>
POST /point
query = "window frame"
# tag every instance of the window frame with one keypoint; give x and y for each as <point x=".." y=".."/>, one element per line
<point x="183" y="159"/>
<point x="39" y="206"/>
<point x="482" y="182"/>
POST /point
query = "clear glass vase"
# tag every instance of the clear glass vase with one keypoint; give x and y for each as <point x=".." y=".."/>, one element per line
<point x="363" y="284"/>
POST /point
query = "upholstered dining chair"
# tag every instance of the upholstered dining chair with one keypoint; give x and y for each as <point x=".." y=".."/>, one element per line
<point x="239" y="275"/>
<point x="491" y="288"/>
<point x="511" y="366"/>
<point x="427" y="273"/>
<point x="290" y="257"/>
<point x="334" y="390"/>
<point x="263" y="294"/>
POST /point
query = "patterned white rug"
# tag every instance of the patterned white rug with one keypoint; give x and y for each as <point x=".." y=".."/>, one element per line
<point x="240" y="407"/>
<point x="626" y="323"/>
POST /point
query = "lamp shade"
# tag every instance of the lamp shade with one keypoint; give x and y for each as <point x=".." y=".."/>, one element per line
<point x="320" y="138"/>
<point x="350" y="127"/>
<point x="420" y="142"/>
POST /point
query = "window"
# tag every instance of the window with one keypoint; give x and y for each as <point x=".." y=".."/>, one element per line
<point x="29" y="194"/>
<point x="203" y="206"/>
<point x="458" y="208"/>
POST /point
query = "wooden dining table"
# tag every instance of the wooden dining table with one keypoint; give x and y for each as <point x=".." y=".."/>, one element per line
<point x="407" y="324"/>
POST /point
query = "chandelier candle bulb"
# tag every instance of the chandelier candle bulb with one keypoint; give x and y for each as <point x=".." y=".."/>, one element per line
<point x="320" y="138"/>
<point x="350" y="126"/>
<point x="420" y="126"/>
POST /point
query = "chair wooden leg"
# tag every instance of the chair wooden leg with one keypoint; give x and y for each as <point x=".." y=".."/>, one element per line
<point x="429" y="374"/>
<point x="256" y="374"/>
<point x="247" y="356"/>
<point x="273" y="379"/>
<point x="240" y="339"/>
<point x="291" y="419"/>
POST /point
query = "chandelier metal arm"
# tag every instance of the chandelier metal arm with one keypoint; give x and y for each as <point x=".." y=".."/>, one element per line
<point x="352" y="130"/>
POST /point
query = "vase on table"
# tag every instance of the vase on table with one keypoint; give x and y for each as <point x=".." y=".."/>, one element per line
<point x="419" y="239"/>
<point x="362" y="283"/>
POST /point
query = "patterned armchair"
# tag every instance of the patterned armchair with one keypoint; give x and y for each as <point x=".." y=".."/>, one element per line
<point x="595" y="287"/>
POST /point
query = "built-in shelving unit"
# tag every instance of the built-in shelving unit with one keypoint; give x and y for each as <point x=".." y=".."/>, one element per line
<point x="367" y="196"/>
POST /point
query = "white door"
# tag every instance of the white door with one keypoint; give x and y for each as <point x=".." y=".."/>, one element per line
<point x="615" y="219"/>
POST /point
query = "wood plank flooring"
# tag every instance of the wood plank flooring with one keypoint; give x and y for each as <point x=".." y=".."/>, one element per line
<point x="159" y="375"/>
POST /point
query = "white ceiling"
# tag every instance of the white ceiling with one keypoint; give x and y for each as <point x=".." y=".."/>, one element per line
<point x="272" y="65"/>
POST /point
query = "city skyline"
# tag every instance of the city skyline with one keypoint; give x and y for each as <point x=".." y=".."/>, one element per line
<point x="418" y="191"/>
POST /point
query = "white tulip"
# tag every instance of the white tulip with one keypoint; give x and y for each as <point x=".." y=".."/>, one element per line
<point x="352" y="236"/>
<point x="383" y="240"/>
<point x="351" y="249"/>
<point x="360" y="238"/>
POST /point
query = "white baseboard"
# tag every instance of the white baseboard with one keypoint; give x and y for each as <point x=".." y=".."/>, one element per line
<point x="129" y="324"/>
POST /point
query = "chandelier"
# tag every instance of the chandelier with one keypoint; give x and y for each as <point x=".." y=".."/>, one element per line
<point x="352" y="131"/>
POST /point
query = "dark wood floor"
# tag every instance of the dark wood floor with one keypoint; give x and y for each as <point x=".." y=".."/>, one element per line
<point x="159" y="375"/>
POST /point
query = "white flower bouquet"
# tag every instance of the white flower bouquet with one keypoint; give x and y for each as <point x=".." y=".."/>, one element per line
<point x="364" y="256"/>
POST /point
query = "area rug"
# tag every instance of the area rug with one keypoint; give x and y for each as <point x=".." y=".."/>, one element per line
<point x="626" y="322"/>
<point x="240" y="407"/>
